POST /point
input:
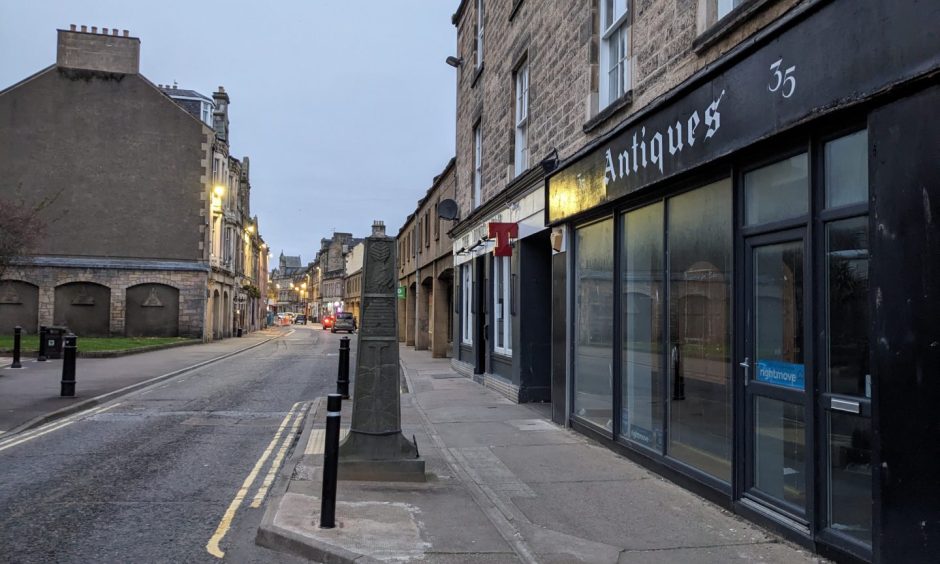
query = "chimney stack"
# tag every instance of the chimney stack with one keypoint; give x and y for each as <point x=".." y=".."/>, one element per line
<point x="220" y="115"/>
<point x="98" y="52"/>
<point x="378" y="228"/>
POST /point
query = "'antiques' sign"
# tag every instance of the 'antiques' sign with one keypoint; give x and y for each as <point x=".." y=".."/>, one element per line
<point x="815" y="64"/>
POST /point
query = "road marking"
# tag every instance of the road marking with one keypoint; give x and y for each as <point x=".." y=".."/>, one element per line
<point x="276" y="464"/>
<point x="18" y="440"/>
<point x="225" y="524"/>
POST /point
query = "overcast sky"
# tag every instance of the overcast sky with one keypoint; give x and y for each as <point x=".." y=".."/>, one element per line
<point x="346" y="109"/>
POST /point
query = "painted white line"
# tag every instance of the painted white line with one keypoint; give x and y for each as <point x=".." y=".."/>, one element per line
<point x="20" y="440"/>
<point x="42" y="428"/>
<point x="276" y="464"/>
<point x="212" y="547"/>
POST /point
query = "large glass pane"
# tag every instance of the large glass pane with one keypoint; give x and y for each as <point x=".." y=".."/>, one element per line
<point x="642" y="326"/>
<point x="778" y="314"/>
<point x="778" y="191"/>
<point x="593" y="327"/>
<point x="847" y="284"/>
<point x="700" y="265"/>
<point x="850" y="475"/>
<point x="847" y="170"/>
<point x="779" y="451"/>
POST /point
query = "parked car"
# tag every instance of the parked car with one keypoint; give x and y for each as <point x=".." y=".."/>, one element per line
<point x="344" y="322"/>
<point x="327" y="321"/>
<point x="300" y="319"/>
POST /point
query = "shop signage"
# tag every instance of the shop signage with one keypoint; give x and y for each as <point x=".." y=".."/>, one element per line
<point x="815" y="64"/>
<point x="401" y="292"/>
<point x="779" y="373"/>
<point x="503" y="232"/>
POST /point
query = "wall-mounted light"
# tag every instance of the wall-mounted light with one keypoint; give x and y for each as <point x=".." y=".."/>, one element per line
<point x="219" y="190"/>
<point x="550" y="162"/>
<point x="454" y="61"/>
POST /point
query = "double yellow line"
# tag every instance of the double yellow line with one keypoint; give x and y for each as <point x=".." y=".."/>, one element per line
<point x="27" y="436"/>
<point x="297" y="412"/>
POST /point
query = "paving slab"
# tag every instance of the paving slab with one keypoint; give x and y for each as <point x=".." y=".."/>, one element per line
<point x="505" y="485"/>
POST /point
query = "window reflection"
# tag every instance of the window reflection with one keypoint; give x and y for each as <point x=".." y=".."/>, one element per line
<point x="642" y="326"/>
<point x="778" y="191"/>
<point x="593" y="329"/>
<point x="847" y="280"/>
<point x="699" y="243"/>
<point x="850" y="475"/>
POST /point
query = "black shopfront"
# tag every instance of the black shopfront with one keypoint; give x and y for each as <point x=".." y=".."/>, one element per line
<point x="752" y="280"/>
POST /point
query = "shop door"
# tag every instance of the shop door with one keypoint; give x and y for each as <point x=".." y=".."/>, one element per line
<point x="778" y="470"/>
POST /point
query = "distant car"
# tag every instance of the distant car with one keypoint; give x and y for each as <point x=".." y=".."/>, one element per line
<point x="301" y="319"/>
<point x="344" y="322"/>
<point x="327" y="321"/>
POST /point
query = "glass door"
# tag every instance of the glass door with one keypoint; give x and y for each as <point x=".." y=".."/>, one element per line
<point x="778" y="464"/>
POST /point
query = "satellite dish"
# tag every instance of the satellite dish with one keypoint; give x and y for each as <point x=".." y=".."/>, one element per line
<point x="447" y="209"/>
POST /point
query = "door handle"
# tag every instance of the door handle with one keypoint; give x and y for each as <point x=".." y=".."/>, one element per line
<point x="746" y="365"/>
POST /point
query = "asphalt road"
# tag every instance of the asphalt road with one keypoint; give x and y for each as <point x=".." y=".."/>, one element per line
<point x="156" y="475"/>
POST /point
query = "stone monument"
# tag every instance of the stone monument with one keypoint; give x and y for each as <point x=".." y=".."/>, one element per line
<point x="375" y="448"/>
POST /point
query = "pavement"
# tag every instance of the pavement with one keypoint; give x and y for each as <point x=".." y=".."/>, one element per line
<point x="29" y="396"/>
<point x="504" y="485"/>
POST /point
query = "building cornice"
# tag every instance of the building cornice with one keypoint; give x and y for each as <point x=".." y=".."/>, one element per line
<point x="517" y="187"/>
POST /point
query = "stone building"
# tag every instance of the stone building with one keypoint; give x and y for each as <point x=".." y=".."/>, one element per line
<point x="131" y="247"/>
<point x="287" y="279"/>
<point x="331" y="272"/>
<point x="426" y="271"/>
<point x="729" y="203"/>
<point x="354" y="280"/>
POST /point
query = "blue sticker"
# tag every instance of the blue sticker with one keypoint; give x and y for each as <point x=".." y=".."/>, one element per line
<point x="784" y="374"/>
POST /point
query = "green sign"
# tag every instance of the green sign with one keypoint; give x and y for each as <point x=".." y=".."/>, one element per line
<point x="401" y="292"/>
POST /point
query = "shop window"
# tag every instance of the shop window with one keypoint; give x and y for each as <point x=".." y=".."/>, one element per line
<point x="522" y="119"/>
<point x="847" y="170"/>
<point x="849" y="432"/>
<point x="641" y="307"/>
<point x="593" y="324"/>
<point x="778" y="191"/>
<point x="502" y="289"/>
<point x="616" y="51"/>
<point x="466" y="304"/>
<point x="699" y="244"/>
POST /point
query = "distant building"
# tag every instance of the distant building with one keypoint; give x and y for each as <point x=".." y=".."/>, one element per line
<point x="354" y="280"/>
<point x="148" y="230"/>
<point x="426" y="271"/>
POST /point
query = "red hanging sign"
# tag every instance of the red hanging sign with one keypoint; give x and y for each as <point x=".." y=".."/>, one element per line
<point x="503" y="232"/>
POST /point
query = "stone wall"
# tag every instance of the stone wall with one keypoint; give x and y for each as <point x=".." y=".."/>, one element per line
<point x="191" y="286"/>
<point x="560" y="41"/>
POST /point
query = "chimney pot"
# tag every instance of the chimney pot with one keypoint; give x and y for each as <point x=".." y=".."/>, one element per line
<point x="114" y="32"/>
<point x="71" y="27"/>
<point x="84" y="28"/>
<point x="126" y="33"/>
<point x="104" y="30"/>
<point x="94" y="29"/>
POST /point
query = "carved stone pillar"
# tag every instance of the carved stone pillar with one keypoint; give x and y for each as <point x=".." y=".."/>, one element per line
<point x="375" y="448"/>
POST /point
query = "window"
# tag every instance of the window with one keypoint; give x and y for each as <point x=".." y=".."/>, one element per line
<point x="502" y="294"/>
<point x="715" y="10"/>
<point x="466" y="304"/>
<point x="724" y="7"/>
<point x="615" y="51"/>
<point x="594" y="323"/>
<point x="522" y="119"/>
<point x="479" y="36"/>
<point x="477" y="165"/>
<point x="207" y="112"/>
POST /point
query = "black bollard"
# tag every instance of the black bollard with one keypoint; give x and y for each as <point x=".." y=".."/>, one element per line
<point x="42" y="344"/>
<point x="330" y="462"/>
<point x="342" y="378"/>
<point x="17" y="335"/>
<point x="68" y="366"/>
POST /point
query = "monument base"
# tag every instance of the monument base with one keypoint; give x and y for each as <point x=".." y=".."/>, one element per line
<point x="380" y="458"/>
